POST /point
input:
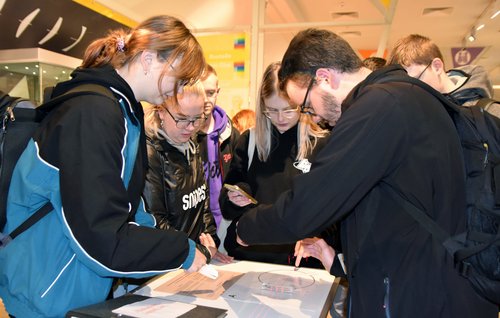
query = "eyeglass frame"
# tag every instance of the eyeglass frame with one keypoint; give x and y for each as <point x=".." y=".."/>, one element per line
<point x="308" y="109"/>
<point x="286" y="113"/>
<point x="425" y="69"/>
<point x="202" y="118"/>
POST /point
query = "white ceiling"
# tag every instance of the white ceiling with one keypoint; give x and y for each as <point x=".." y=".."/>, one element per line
<point x="370" y="24"/>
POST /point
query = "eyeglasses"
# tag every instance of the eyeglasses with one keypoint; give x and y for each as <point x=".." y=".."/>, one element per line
<point x="184" y="123"/>
<point x="307" y="109"/>
<point x="287" y="113"/>
<point x="425" y="69"/>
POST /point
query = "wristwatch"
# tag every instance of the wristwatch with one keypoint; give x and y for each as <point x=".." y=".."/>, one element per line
<point x="204" y="250"/>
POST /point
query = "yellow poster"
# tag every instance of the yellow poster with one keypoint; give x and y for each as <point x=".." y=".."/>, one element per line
<point x="229" y="54"/>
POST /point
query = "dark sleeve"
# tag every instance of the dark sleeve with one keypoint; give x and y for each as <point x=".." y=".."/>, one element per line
<point x="155" y="189"/>
<point x="209" y="222"/>
<point x="365" y="142"/>
<point x="237" y="175"/>
<point x="336" y="269"/>
<point x="85" y="139"/>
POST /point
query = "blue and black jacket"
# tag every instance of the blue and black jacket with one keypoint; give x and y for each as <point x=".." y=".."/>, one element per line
<point x="88" y="159"/>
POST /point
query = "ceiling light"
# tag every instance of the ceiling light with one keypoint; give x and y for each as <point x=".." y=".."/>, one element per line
<point x="480" y="27"/>
<point x="351" y="15"/>
<point x="495" y="14"/>
<point x="437" y="12"/>
<point x="472" y="35"/>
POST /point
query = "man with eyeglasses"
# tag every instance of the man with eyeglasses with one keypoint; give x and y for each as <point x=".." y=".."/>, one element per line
<point x="388" y="139"/>
<point x="422" y="59"/>
<point x="217" y="139"/>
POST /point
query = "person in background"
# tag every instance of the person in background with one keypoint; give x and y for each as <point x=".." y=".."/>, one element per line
<point x="244" y="119"/>
<point x="217" y="139"/>
<point x="374" y="63"/>
<point x="88" y="159"/>
<point x="265" y="162"/>
<point x="389" y="139"/>
<point x="176" y="191"/>
<point x="422" y="59"/>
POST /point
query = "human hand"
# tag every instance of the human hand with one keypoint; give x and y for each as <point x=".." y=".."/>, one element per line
<point x="223" y="258"/>
<point x="198" y="262"/>
<point x="207" y="241"/>
<point x="317" y="248"/>
<point x="238" y="198"/>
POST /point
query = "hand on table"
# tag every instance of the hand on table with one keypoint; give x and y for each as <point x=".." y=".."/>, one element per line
<point x="198" y="262"/>
<point x="223" y="258"/>
<point x="208" y="242"/>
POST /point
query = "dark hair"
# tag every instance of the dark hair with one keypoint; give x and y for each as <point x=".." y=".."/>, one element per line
<point x="166" y="35"/>
<point x="374" y="62"/>
<point x="312" y="49"/>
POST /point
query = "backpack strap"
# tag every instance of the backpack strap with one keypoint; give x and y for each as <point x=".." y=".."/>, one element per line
<point x="452" y="244"/>
<point x="84" y="89"/>
<point x="485" y="103"/>
<point x="450" y="107"/>
<point x="80" y="90"/>
<point x="35" y="217"/>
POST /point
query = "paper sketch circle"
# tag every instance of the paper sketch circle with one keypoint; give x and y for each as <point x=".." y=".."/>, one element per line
<point x="286" y="280"/>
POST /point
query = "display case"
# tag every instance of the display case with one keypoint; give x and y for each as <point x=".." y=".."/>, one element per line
<point x="27" y="72"/>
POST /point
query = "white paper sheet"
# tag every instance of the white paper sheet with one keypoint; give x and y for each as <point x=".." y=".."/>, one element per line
<point x="154" y="308"/>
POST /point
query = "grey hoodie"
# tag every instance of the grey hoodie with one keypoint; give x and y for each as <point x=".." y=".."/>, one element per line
<point x="472" y="84"/>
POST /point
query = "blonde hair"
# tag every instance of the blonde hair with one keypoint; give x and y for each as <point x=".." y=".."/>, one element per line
<point x="244" y="119"/>
<point x="152" y="121"/>
<point x="307" y="134"/>
<point x="166" y="35"/>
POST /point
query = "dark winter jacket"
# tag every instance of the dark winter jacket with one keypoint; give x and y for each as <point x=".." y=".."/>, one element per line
<point x="265" y="181"/>
<point x="390" y="137"/>
<point x="89" y="160"/>
<point x="176" y="192"/>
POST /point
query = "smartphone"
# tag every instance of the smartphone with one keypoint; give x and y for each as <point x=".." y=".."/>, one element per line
<point x="231" y="187"/>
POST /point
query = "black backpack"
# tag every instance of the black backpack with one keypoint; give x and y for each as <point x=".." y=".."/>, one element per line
<point x="476" y="252"/>
<point x="19" y="121"/>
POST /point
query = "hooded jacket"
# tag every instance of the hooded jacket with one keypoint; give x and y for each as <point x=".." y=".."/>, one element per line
<point x="88" y="159"/>
<point x="216" y="150"/>
<point x="176" y="192"/>
<point x="391" y="137"/>
<point x="472" y="84"/>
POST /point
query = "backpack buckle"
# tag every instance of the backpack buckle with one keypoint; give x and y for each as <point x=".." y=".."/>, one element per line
<point x="463" y="268"/>
<point x="4" y="240"/>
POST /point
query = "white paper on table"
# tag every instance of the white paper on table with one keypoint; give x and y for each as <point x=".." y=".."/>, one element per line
<point x="155" y="308"/>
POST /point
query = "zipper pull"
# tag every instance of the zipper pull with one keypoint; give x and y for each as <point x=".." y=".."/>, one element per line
<point x="486" y="148"/>
<point x="10" y="111"/>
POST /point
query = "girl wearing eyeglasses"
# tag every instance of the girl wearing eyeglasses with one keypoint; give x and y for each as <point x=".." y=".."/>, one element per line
<point x="266" y="159"/>
<point x="176" y="192"/>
